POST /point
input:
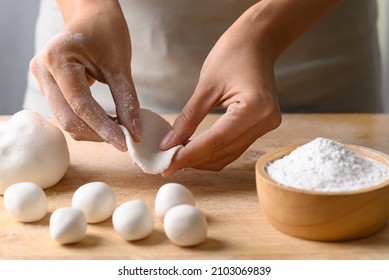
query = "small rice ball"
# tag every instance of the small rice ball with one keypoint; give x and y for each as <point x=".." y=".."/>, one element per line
<point x="67" y="225"/>
<point x="133" y="220"/>
<point x="26" y="202"/>
<point x="170" y="195"/>
<point x="96" y="199"/>
<point x="185" y="225"/>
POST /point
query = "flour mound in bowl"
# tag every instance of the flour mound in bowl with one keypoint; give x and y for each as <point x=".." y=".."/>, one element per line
<point x="146" y="153"/>
<point x="326" y="165"/>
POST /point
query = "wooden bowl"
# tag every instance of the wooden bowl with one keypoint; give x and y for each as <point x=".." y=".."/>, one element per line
<point x="323" y="216"/>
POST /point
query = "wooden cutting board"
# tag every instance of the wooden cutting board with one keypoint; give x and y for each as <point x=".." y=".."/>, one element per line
<point x="237" y="227"/>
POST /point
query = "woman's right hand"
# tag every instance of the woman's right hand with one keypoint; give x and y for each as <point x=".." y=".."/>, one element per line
<point x="93" y="45"/>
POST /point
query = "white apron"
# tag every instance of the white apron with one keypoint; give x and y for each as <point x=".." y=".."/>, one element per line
<point x="334" y="67"/>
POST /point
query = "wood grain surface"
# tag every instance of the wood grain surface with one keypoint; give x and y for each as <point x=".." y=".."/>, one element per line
<point x="237" y="227"/>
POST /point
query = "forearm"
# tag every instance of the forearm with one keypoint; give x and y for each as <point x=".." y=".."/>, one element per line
<point x="277" y="23"/>
<point x="70" y="7"/>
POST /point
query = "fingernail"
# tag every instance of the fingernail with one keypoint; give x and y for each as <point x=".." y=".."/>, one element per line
<point x="167" y="139"/>
<point x="119" y="145"/>
<point x="117" y="140"/>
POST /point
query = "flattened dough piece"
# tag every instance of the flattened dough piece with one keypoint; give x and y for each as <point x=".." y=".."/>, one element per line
<point x="147" y="153"/>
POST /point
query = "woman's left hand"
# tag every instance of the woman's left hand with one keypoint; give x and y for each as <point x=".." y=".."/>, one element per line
<point x="237" y="76"/>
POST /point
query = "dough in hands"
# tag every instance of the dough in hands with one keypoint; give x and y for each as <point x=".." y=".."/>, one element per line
<point x="146" y="153"/>
<point x="31" y="150"/>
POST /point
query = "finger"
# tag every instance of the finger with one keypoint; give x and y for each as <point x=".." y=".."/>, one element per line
<point x="211" y="150"/>
<point x="190" y="117"/>
<point x="71" y="79"/>
<point x="215" y="161"/>
<point x="215" y="149"/>
<point x="70" y="122"/>
<point x="127" y="104"/>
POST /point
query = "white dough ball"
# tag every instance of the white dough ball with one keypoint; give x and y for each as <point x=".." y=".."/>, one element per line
<point x="97" y="200"/>
<point x="170" y="195"/>
<point x="133" y="220"/>
<point x="31" y="150"/>
<point x="26" y="201"/>
<point x="67" y="225"/>
<point x="185" y="225"/>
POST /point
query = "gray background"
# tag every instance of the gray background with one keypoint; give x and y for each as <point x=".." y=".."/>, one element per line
<point x="17" y="24"/>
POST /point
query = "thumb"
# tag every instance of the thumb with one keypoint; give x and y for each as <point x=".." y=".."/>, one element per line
<point x="183" y="127"/>
<point x="187" y="121"/>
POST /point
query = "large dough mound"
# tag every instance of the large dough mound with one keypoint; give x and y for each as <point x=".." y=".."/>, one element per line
<point x="146" y="153"/>
<point x="31" y="150"/>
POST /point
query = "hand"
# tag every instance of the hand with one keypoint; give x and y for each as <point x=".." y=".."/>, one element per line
<point x="238" y="76"/>
<point x="94" y="45"/>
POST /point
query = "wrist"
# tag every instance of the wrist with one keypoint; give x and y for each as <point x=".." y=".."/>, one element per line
<point x="275" y="24"/>
<point x="71" y="7"/>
